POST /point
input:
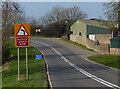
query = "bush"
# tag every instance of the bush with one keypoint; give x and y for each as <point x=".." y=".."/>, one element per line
<point x="57" y="29"/>
<point x="5" y="52"/>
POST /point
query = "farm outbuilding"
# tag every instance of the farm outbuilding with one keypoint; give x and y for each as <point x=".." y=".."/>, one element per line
<point x="88" y="32"/>
<point x="93" y="30"/>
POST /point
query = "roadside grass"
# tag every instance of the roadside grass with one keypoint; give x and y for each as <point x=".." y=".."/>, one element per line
<point x="110" y="60"/>
<point x="0" y="79"/>
<point x="80" y="45"/>
<point x="37" y="70"/>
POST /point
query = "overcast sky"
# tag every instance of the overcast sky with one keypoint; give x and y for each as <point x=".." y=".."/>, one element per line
<point x="38" y="9"/>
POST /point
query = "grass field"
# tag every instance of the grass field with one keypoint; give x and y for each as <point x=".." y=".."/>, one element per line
<point x="108" y="60"/>
<point x="37" y="70"/>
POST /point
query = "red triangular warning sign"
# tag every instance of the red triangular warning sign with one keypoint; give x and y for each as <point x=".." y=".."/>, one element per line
<point x="22" y="31"/>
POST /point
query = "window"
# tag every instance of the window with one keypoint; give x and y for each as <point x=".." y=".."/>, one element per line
<point x="80" y="34"/>
<point x="71" y="32"/>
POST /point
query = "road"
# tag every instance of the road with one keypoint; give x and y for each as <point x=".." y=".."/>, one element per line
<point x="67" y="66"/>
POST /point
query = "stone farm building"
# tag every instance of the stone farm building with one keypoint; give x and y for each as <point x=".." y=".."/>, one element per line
<point x="93" y="34"/>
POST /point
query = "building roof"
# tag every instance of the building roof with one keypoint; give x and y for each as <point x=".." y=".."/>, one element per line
<point x="100" y="23"/>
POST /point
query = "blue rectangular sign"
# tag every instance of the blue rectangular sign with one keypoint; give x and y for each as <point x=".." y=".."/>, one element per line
<point x="38" y="56"/>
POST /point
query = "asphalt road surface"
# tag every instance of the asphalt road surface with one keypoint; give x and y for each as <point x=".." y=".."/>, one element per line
<point x="68" y="67"/>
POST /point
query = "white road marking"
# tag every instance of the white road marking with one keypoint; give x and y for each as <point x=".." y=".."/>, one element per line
<point x="81" y="70"/>
<point x="50" y="83"/>
<point x="48" y="74"/>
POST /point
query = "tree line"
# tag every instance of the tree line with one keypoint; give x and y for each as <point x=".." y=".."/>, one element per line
<point x="59" y="19"/>
<point x="58" y="14"/>
<point x="52" y="19"/>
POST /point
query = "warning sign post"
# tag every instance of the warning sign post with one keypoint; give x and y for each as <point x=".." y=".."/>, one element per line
<point x="22" y="39"/>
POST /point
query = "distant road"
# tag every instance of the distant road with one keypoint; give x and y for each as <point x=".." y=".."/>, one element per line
<point x="68" y="68"/>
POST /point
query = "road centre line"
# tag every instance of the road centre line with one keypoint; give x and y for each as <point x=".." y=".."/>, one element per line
<point x="81" y="70"/>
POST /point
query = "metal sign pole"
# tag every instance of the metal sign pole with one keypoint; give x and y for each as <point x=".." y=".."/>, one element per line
<point x="26" y="65"/>
<point x="18" y="66"/>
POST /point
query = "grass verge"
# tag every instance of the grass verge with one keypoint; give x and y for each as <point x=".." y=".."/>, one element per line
<point x="108" y="60"/>
<point x="0" y="79"/>
<point x="37" y="70"/>
<point x="80" y="45"/>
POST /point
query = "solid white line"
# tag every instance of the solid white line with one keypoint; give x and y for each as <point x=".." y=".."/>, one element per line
<point x="81" y="70"/>
<point x="48" y="74"/>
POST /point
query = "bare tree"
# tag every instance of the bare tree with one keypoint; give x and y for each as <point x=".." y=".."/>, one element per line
<point x="53" y="16"/>
<point x="56" y="13"/>
<point x="60" y="13"/>
<point x="33" y="24"/>
<point x="32" y="20"/>
<point x="11" y="14"/>
<point x="111" y="10"/>
<point x="111" y="13"/>
<point x="0" y="16"/>
<point x="73" y="13"/>
<point x="0" y="37"/>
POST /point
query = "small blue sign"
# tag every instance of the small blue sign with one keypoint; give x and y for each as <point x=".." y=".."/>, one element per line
<point x="38" y="56"/>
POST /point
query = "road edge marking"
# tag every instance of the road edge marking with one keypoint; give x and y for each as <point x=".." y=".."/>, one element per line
<point x="48" y="74"/>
